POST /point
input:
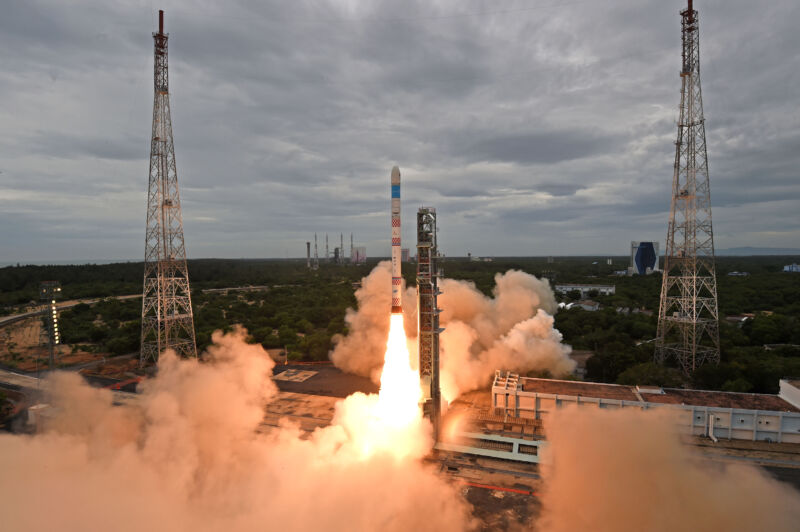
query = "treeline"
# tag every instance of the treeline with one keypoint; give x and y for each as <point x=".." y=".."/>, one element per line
<point x="302" y="310"/>
<point x="624" y="353"/>
<point x="301" y="318"/>
<point x="19" y="285"/>
<point x="109" y="326"/>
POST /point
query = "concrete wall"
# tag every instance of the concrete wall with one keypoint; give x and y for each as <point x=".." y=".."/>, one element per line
<point x="728" y="423"/>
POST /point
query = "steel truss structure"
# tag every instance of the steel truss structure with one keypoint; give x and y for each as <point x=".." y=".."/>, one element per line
<point x="428" y="315"/>
<point x="167" y="320"/>
<point x="688" y="317"/>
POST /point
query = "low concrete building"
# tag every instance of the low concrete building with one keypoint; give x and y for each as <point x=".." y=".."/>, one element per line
<point x="718" y="415"/>
<point x="584" y="289"/>
<point x="589" y="305"/>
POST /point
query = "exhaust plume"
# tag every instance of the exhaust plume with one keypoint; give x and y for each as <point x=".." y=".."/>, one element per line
<point x="361" y="351"/>
<point x="513" y="330"/>
<point x="626" y="470"/>
<point x="188" y="456"/>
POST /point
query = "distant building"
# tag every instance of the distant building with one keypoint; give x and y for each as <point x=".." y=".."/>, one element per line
<point x="586" y="304"/>
<point x="644" y="258"/>
<point x="738" y="274"/>
<point x="584" y="289"/>
<point x="792" y="268"/>
<point x="404" y="255"/>
<point x="739" y="319"/>
<point x="589" y="305"/>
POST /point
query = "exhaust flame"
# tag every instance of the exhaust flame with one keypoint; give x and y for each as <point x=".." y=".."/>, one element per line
<point x="400" y="393"/>
<point x="391" y="422"/>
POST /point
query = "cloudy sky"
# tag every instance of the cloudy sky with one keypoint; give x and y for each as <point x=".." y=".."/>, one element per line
<point x="536" y="127"/>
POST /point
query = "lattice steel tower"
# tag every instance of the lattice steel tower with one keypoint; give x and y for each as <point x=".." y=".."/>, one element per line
<point x="167" y="321"/>
<point x="688" y="318"/>
<point x="428" y="316"/>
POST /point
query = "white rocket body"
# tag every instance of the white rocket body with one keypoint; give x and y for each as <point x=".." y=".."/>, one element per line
<point x="397" y="278"/>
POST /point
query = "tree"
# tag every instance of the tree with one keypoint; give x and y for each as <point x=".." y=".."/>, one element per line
<point x="652" y="374"/>
<point x="574" y="295"/>
<point x="737" y="385"/>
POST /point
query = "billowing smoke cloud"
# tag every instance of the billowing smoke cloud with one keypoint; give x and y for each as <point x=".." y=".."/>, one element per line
<point x="626" y="470"/>
<point x="361" y="351"/>
<point x="189" y="457"/>
<point x="513" y="330"/>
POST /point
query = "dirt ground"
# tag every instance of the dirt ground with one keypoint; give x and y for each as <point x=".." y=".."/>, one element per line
<point x="23" y="346"/>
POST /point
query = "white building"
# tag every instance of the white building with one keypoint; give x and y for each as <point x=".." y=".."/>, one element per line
<point x="718" y="415"/>
<point x="584" y="289"/>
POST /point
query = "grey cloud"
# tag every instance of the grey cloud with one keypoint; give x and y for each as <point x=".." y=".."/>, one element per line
<point x="538" y="148"/>
<point x="288" y="115"/>
<point x="54" y="144"/>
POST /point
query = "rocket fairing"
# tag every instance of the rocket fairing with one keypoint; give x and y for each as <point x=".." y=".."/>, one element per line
<point x="397" y="279"/>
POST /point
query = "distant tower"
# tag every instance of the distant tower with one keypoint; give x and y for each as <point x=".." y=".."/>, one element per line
<point x="327" y="253"/>
<point x="341" y="248"/>
<point x="352" y="257"/>
<point x="688" y="319"/>
<point x="167" y="321"/>
<point x="308" y="255"/>
<point x="428" y="316"/>
<point x="316" y="255"/>
<point x="49" y="291"/>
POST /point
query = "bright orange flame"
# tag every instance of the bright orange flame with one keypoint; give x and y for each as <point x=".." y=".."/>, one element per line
<point x="398" y="401"/>
<point x="391" y="422"/>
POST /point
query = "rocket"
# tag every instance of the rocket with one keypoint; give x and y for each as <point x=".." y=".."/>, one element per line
<point x="397" y="279"/>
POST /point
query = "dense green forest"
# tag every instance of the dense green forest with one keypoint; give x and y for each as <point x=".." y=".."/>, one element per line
<point x="301" y="310"/>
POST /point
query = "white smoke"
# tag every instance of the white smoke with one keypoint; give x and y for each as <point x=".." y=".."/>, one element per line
<point x="189" y="457"/>
<point x="513" y="330"/>
<point x="627" y="471"/>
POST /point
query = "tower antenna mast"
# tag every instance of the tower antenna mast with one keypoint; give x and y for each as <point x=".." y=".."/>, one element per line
<point x="688" y="316"/>
<point x="167" y="320"/>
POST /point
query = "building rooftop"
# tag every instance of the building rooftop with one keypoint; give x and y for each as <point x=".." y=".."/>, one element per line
<point x="677" y="396"/>
<point x="586" y="389"/>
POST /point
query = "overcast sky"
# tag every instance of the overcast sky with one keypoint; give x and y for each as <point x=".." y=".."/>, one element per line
<point x="540" y="127"/>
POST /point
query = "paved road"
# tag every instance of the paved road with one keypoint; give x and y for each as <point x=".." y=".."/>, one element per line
<point x="18" y="379"/>
<point x="62" y="305"/>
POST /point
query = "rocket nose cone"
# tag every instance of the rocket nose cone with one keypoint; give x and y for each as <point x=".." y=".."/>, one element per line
<point x="396" y="175"/>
